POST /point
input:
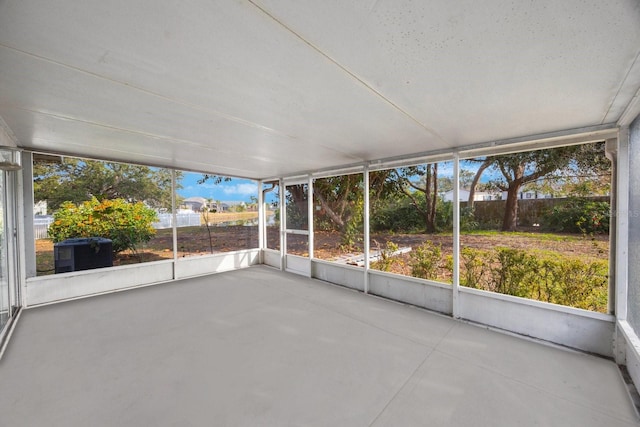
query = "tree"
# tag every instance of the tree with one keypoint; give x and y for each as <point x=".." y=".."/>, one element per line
<point x="519" y="169"/>
<point x="340" y="198"/>
<point x="341" y="206"/>
<point x="78" y="180"/>
<point x="466" y="178"/>
<point x="445" y="183"/>
<point x="215" y="179"/>
<point x="206" y="214"/>
<point x="588" y="174"/>
<point x="427" y="184"/>
<point x="253" y="203"/>
<point x="476" y="178"/>
<point x="297" y="206"/>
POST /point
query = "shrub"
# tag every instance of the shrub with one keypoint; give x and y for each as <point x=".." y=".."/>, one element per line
<point x="386" y="260"/>
<point x="514" y="271"/>
<point x="574" y="282"/>
<point x="468" y="219"/>
<point x="354" y="228"/>
<point x="475" y="267"/>
<point x="444" y="217"/>
<point x="543" y="276"/>
<point x="126" y="224"/>
<point x="400" y="215"/>
<point x="424" y="261"/>
<point x="578" y="215"/>
<point x="397" y="215"/>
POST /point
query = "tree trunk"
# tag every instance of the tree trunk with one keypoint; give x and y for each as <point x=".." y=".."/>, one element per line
<point x="474" y="183"/>
<point x="431" y="197"/>
<point x="337" y="219"/>
<point x="299" y="196"/>
<point x="510" y="219"/>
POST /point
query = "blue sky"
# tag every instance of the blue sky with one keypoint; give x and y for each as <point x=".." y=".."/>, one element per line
<point x="242" y="189"/>
<point x="234" y="190"/>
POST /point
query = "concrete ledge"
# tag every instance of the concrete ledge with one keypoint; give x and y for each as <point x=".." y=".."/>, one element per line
<point x="207" y="264"/>
<point x="298" y="264"/>
<point x="422" y="293"/>
<point x="58" y="287"/>
<point x="271" y="258"/>
<point x="566" y="326"/>
<point x="631" y="350"/>
<point x="343" y="275"/>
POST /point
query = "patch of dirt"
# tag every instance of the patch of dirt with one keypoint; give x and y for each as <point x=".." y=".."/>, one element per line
<point x="191" y="241"/>
<point x="327" y="245"/>
<point x="587" y="248"/>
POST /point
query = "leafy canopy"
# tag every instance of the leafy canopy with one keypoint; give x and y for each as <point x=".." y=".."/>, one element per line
<point x="78" y="180"/>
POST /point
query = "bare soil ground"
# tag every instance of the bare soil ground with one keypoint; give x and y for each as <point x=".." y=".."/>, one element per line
<point x="194" y="241"/>
<point x="588" y="248"/>
<point x="191" y="241"/>
<point x="327" y="244"/>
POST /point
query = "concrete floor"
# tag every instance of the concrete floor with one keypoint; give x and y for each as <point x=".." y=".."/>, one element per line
<point x="258" y="347"/>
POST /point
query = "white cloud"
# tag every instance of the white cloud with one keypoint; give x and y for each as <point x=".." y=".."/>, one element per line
<point x="244" y="189"/>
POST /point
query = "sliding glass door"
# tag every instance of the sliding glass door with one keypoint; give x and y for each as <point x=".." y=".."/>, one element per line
<point x="5" y="293"/>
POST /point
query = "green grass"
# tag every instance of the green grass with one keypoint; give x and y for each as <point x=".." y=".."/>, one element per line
<point x="44" y="263"/>
<point x="539" y="236"/>
<point x="552" y="237"/>
<point x="549" y="237"/>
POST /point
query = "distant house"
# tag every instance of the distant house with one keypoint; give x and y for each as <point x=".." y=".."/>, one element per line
<point x="463" y="195"/>
<point x="232" y="205"/>
<point x="195" y="203"/>
<point x="480" y="196"/>
<point x="221" y="206"/>
<point x="530" y="195"/>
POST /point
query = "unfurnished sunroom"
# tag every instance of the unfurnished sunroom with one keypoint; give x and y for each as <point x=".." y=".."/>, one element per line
<point x="434" y="154"/>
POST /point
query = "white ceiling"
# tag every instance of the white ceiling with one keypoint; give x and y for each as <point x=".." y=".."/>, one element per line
<point x="269" y="88"/>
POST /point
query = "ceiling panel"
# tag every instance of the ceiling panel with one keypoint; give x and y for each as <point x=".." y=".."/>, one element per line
<point x="480" y="71"/>
<point x="270" y="88"/>
<point x="52" y="90"/>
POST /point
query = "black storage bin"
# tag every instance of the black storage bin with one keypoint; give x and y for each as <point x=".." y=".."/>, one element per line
<point x="82" y="254"/>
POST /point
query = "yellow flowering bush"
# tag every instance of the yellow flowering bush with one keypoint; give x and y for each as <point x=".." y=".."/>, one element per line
<point x="126" y="224"/>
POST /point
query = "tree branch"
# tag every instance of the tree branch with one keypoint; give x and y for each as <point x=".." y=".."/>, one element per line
<point x="472" y="191"/>
<point x="334" y="217"/>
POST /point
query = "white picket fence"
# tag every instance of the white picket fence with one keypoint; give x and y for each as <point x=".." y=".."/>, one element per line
<point x="165" y="220"/>
<point x="41" y="226"/>
<point x="41" y="223"/>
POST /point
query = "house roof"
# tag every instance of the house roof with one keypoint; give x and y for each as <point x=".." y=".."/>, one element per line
<point x="200" y="200"/>
<point x="262" y="89"/>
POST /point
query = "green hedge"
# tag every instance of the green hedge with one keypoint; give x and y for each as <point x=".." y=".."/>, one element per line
<point x="533" y="274"/>
<point x="539" y="275"/>
<point x="578" y="215"/>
